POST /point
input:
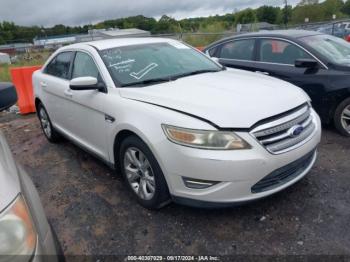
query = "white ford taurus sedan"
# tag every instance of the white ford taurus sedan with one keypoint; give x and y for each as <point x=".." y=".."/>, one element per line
<point x="177" y="125"/>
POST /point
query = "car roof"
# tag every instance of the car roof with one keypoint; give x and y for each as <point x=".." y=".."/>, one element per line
<point x="290" y="34"/>
<point x="118" y="42"/>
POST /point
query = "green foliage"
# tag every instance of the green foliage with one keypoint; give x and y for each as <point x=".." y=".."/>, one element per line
<point x="166" y="25"/>
<point x="141" y="22"/>
<point x="246" y="16"/>
<point x="286" y="15"/>
<point x="311" y="11"/>
<point x="205" y="39"/>
<point x="332" y="7"/>
<point x="268" y="14"/>
<point x="315" y="10"/>
<point x="346" y="8"/>
<point x="5" y="73"/>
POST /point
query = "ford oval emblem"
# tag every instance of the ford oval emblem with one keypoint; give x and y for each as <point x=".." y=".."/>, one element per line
<point x="296" y="130"/>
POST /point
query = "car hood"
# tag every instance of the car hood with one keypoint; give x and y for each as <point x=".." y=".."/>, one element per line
<point x="229" y="99"/>
<point x="9" y="181"/>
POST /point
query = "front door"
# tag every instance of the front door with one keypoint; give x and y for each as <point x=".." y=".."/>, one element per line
<point x="89" y="125"/>
<point x="277" y="58"/>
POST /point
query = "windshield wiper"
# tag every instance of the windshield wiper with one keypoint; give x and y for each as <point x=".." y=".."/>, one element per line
<point x="172" y="78"/>
<point x="149" y="81"/>
<point x="196" y="73"/>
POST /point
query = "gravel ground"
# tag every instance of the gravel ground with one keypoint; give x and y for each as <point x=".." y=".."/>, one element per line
<point x="93" y="213"/>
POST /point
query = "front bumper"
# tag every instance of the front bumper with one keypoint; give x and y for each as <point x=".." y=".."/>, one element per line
<point x="236" y="171"/>
<point x="49" y="250"/>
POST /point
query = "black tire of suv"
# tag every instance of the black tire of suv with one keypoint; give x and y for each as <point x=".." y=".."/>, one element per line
<point x="161" y="196"/>
<point x="338" y="115"/>
<point x="55" y="136"/>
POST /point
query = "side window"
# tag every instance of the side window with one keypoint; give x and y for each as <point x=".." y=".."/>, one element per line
<point x="239" y="49"/>
<point x="281" y="52"/>
<point x="60" y="65"/>
<point x="213" y="51"/>
<point x="84" y="65"/>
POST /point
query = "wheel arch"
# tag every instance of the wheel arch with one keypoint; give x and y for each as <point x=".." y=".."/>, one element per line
<point x="37" y="103"/>
<point x="125" y="132"/>
<point x="119" y="137"/>
<point x="327" y="107"/>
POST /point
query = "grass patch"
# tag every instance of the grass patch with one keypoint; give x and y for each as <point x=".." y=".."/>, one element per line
<point x="5" y="73"/>
<point x="29" y="59"/>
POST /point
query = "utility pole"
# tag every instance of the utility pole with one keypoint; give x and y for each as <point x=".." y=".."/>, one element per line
<point x="286" y="13"/>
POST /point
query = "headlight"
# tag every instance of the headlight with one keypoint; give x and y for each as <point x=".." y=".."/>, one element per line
<point x="17" y="233"/>
<point x="215" y="140"/>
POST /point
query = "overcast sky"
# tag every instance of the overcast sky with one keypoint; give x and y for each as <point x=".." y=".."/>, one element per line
<point x="79" y="12"/>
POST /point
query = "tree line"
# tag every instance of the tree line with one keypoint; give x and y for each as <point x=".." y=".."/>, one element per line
<point x="314" y="10"/>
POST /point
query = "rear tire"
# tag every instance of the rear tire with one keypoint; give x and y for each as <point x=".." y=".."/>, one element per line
<point x="342" y="117"/>
<point x="49" y="131"/>
<point x="142" y="174"/>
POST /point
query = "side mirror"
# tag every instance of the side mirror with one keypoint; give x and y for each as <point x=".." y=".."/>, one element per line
<point x="86" y="83"/>
<point x="8" y="95"/>
<point x="306" y="63"/>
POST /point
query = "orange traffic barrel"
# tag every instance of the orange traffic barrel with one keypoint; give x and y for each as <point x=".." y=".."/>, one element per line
<point x="347" y="38"/>
<point x="22" y="79"/>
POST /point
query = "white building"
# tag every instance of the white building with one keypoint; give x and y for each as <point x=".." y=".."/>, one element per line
<point x="93" y="35"/>
<point x="54" y="40"/>
<point x="100" y="34"/>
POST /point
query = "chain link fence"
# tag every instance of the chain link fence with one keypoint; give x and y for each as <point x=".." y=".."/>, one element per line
<point x="198" y="39"/>
<point x="338" y="28"/>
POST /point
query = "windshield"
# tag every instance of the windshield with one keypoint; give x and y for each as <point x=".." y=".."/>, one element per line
<point x="335" y="49"/>
<point x="151" y="63"/>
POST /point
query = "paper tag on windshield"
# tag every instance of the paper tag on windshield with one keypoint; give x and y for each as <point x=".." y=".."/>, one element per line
<point x="179" y="45"/>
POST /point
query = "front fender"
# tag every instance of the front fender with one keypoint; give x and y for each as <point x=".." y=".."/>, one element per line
<point x="145" y="121"/>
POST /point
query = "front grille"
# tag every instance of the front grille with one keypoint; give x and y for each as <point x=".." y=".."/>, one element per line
<point x="284" y="174"/>
<point x="279" y="135"/>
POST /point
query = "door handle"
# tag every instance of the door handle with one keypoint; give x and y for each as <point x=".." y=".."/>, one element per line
<point x="68" y="93"/>
<point x="261" y="72"/>
<point x="43" y="84"/>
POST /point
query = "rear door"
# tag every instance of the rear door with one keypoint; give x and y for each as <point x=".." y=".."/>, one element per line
<point x="54" y="83"/>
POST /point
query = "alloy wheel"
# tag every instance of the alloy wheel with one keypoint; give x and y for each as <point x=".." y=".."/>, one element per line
<point x="345" y="118"/>
<point x="45" y="123"/>
<point x="139" y="173"/>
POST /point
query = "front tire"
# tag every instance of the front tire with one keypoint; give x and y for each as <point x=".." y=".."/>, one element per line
<point x="342" y="117"/>
<point x="49" y="131"/>
<point x="143" y="174"/>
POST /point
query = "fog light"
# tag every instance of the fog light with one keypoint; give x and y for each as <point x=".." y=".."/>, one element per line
<point x="197" y="183"/>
